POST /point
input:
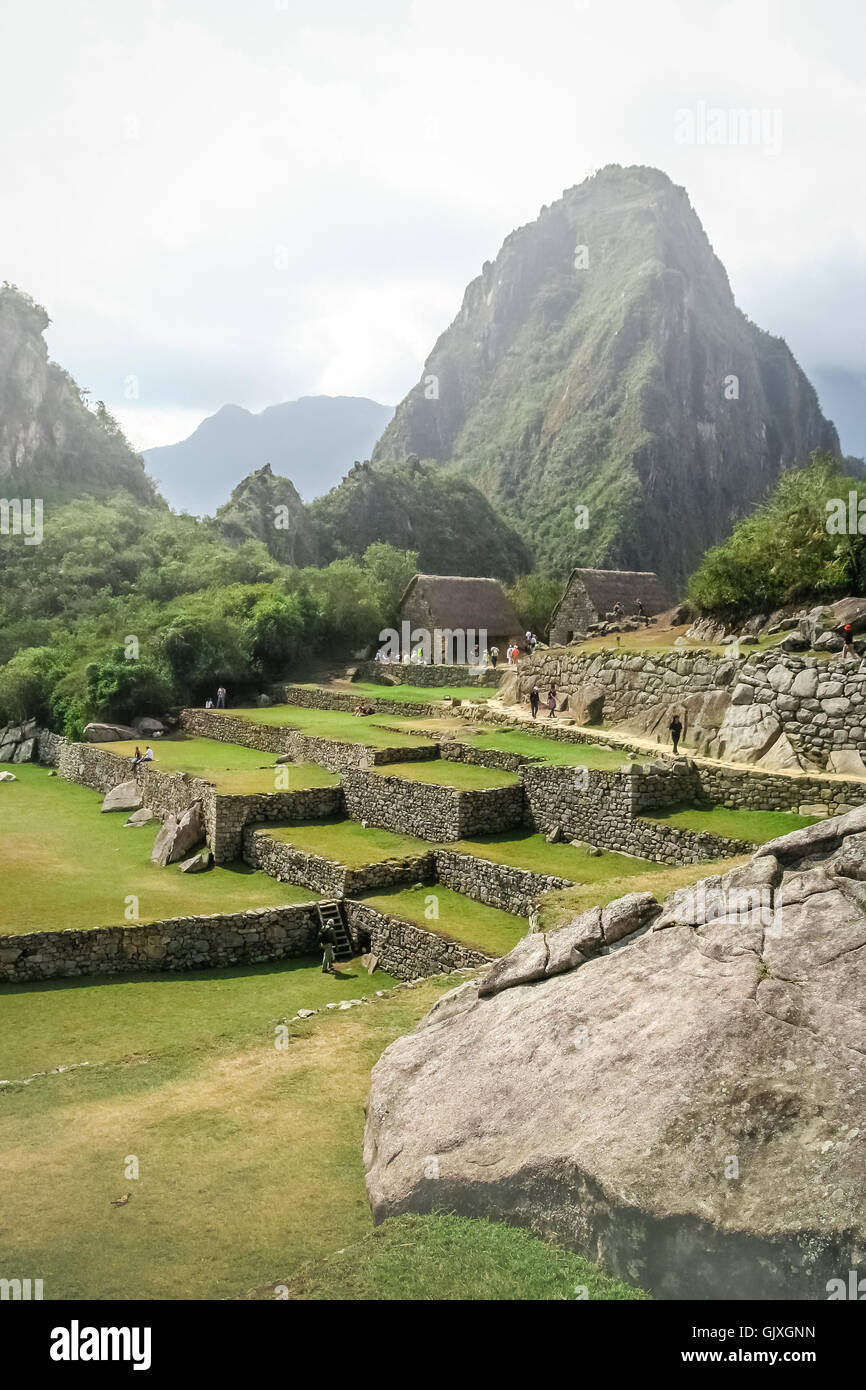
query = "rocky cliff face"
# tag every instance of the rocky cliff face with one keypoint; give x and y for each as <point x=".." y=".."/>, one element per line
<point x="601" y="362"/>
<point x="51" y="445"/>
<point x="677" y="1092"/>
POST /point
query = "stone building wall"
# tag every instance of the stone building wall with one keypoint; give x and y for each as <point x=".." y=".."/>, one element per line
<point x="179" y="943"/>
<point x="430" y="811"/>
<point x="406" y="950"/>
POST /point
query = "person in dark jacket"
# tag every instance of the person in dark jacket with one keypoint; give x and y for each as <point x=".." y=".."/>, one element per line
<point x="676" y="728"/>
<point x="848" y="639"/>
<point x="534" y="699"/>
<point x="327" y="941"/>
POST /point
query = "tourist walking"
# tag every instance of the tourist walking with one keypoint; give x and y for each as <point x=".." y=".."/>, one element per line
<point x="676" y="729"/>
<point x="494" y="656"/>
<point x="642" y="613"/>
<point x="551" y="701"/>
<point x="221" y="698"/>
<point x="534" y="701"/>
<point x="848" y="639"/>
<point x="327" y="941"/>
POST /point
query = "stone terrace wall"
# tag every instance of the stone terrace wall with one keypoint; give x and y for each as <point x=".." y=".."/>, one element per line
<point x="179" y="943"/>
<point x="758" y="705"/>
<point x="406" y="950"/>
<point x="291" y="865"/>
<point x="604" y="809"/>
<point x="440" y="676"/>
<point x="765" y="791"/>
<point x="342" y="700"/>
<point x="234" y="813"/>
<point x="497" y="885"/>
<point x="303" y="748"/>
<point x="163" y="793"/>
<point x="430" y="811"/>
<point x="453" y="751"/>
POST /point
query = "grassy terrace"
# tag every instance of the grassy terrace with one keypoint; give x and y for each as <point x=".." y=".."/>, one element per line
<point x="552" y="750"/>
<point x="450" y="914"/>
<point x="413" y="694"/>
<point x="659" y="879"/>
<point x="464" y="776"/>
<point x="328" y="723"/>
<point x="347" y="842"/>
<point x="232" y="768"/>
<point x="187" y="1064"/>
<point x="64" y="864"/>
<point x="754" y="826"/>
<point x="524" y="849"/>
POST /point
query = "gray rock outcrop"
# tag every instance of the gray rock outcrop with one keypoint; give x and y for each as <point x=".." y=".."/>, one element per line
<point x="108" y="733"/>
<point x="686" y="1105"/>
<point x="177" y="837"/>
<point x="126" y="796"/>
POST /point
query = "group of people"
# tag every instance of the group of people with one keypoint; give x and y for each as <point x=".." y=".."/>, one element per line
<point x="138" y="757"/>
<point x="512" y="651"/>
<point x="220" y="699"/>
<point x="550" y="701"/>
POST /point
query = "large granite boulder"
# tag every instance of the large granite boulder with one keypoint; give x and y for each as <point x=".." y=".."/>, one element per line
<point x="108" y="733"/>
<point x="177" y="837"/>
<point x="126" y="796"/>
<point x="147" y="727"/>
<point x="746" y="733"/>
<point x="686" y="1105"/>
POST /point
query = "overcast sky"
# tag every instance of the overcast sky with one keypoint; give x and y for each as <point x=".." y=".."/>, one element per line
<point x="253" y="200"/>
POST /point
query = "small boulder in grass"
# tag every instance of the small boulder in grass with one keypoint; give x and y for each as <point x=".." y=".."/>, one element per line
<point x="198" y="863"/>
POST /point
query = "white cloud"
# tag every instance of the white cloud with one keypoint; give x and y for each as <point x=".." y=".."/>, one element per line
<point x="250" y="202"/>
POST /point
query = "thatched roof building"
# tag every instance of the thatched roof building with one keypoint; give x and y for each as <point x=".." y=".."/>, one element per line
<point x="591" y="594"/>
<point x="456" y="604"/>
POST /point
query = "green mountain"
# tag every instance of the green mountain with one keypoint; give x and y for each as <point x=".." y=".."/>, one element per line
<point x="419" y="507"/>
<point x="267" y="508"/>
<point x="52" y="445"/>
<point x="600" y="362"/>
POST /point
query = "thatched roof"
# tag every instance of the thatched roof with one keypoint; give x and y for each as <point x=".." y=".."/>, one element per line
<point x="457" y="602"/>
<point x="605" y="588"/>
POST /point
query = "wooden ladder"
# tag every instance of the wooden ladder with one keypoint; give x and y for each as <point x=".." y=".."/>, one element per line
<point x="343" y="949"/>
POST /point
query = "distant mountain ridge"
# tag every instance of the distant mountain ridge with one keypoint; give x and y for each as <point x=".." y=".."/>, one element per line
<point x="314" y="440"/>
<point x="600" y="362"/>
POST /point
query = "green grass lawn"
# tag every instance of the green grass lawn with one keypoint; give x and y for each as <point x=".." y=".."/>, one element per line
<point x="250" y="1166"/>
<point x="462" y="1259"/>
<point x="347" y="842"/>
<point x="422" y="694"/>
<point x="591" y="755"/>
<point x="329" y="723"/>
<point x="465" y="776"/>
<point x="555" y="909"/>
<point x="526" y="849"/>
<point x="233" y="769"/>
<point x="65" y="864"/>
<point x="755" y="826"/>
<point x="441" y="910"/>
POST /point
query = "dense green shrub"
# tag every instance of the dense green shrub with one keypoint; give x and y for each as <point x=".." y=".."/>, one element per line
<point x="784" y="551"/>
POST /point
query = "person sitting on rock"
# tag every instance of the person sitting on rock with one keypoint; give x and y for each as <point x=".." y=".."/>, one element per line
<point x="136" y="759"/>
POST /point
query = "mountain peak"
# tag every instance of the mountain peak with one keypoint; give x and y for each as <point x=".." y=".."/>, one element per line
<point x="600" y="362"/>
